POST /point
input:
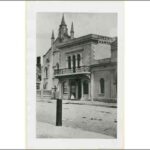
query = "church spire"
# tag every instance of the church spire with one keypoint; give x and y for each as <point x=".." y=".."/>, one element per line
<point x="72" y="31"/>
<point x="72" y="28"/>
<point x="63" y="20"/>
<point x="63" y="30"/>
<point x="52" y="38"/>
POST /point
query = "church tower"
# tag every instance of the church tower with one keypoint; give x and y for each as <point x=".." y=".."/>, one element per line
<point x="63" y="30"/>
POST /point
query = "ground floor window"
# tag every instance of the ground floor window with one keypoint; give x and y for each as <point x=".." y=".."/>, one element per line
<point x="85" y="87"/>
<point x="46" y="72"/>
<point x="102" y="86"/>
<point x="37" y="86"/>
<point x="65" y="87"/>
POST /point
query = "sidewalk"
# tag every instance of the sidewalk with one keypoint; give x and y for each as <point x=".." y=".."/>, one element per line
<point x="77" y="102"/>
<point x="92" y="103"/>
<point x="46" y="130"/>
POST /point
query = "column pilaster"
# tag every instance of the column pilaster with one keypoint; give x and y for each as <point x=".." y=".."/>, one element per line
<point x="92" y="86"/>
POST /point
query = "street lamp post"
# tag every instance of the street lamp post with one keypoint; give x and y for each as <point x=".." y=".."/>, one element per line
<point x="59" y="112"/>
<point x="58" y="109"/>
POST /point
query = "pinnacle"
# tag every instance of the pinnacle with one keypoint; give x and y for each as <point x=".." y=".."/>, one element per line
<point x="72" y="28"/>
<point x="63" y="20"/>
<point x="53" y="37"/>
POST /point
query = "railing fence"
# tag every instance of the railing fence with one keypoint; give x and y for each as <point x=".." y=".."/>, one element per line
<point x="43" y="93"/>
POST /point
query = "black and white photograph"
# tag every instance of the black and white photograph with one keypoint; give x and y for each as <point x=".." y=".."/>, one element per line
<point x="76" y="75"/>
<point x="75" y="80"/>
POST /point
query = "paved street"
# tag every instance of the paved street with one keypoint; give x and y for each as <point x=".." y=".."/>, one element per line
<point x="84" y="117"/>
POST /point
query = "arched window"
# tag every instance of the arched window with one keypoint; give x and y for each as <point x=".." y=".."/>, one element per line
<point x="85" y="87"/>
<point x="45" y="86"/>
<point x="69" y="62"/>
<point x="47" y="60"/>
<point x="46" y="72"/>
<point x="78" y="60"/>
<point x="102" y="86"/>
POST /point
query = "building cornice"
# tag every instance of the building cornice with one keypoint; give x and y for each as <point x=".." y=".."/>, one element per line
<point x="86" y="38"/>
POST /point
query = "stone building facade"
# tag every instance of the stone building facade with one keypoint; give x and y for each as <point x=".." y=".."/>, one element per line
<point x="83" y="68"/>
<point x="38" y="73"/>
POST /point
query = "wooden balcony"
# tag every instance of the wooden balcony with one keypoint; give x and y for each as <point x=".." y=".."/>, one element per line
<point x="72" y="71"/>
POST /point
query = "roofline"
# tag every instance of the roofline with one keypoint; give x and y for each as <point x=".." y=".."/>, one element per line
<point x="47" y="52"/>
<point x="89" y="37"/>
<point x="85" y="38"/>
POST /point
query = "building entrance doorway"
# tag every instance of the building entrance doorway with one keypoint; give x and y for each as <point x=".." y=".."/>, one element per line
<point x="75" y="89"/>
<point x="79" y="89"/>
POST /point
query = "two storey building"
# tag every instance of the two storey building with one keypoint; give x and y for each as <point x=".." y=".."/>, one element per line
<point x="83" y="68"/>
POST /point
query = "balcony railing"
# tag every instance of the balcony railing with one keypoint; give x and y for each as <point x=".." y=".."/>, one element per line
<point x="67" y="71"/>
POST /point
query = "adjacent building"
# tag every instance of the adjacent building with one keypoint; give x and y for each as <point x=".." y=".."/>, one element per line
<point x="38" y="73"/>
<point x="82" y="68"/>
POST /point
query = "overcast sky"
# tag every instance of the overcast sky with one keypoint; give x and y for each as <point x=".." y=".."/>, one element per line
<point x="84" y="23"/>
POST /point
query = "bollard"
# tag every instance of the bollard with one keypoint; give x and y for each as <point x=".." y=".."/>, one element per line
<point x="59" y="112"/>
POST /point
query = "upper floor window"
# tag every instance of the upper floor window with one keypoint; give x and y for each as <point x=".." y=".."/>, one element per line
<point x="74" y="63"/>
<point x="102" y="86"/>
<point x="57" y="66"/>
<point x="69" y="62"/>
<point x="78" y="60"/>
